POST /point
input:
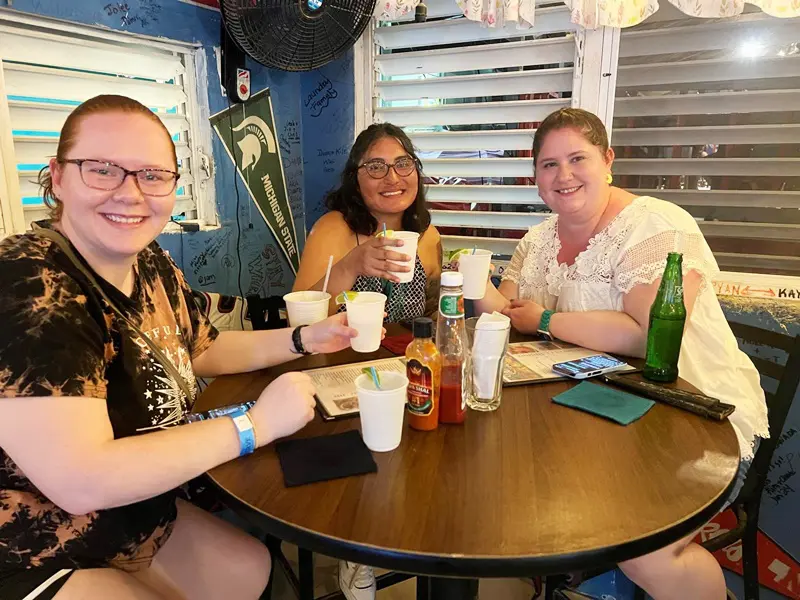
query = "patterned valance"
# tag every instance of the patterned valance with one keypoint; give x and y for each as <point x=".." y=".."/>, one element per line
<point x="591" y="14"/>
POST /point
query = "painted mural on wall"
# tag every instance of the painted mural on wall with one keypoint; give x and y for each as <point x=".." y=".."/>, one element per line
<point x="247" y="132"/>
<point x="780" y="291"/>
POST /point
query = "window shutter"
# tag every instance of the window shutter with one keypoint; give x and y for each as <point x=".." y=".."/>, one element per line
<point x="707" y="116"/>
<point x="470" y="97"/>
<point x="49" y="70"/>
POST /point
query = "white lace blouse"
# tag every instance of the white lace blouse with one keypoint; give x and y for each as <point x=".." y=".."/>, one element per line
<point x="633" y="250"/>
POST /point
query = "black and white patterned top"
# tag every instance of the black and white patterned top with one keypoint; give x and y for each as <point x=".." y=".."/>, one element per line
<point x="405" y="301"/>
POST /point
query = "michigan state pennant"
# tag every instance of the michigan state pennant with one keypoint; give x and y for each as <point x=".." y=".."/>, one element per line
<point x="248" y="133"/>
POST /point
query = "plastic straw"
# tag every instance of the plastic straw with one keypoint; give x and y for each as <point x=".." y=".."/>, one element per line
<point x="373" y="372"/>
<point x="328" y="274"/>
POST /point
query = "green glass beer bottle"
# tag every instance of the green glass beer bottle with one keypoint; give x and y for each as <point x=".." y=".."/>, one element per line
<point x="667" y="318"/>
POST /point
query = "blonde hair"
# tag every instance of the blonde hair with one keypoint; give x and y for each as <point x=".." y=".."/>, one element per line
<point x="106" y="103"/>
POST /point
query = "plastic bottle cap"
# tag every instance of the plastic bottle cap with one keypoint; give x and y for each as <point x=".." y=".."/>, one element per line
<point x="452" y="279"/>
<point x="423" y="327"/>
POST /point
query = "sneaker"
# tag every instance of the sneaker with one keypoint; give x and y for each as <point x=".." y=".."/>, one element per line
<point x="357" y="582"/>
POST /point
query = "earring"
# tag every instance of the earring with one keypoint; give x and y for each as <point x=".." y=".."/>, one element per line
<point x="609" y="178"/>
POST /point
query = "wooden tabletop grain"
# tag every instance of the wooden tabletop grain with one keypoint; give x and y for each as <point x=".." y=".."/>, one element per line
<point x="532" y="488"/>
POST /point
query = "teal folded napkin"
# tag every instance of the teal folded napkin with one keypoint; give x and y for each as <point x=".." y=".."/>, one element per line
<point x="606" y="402"/>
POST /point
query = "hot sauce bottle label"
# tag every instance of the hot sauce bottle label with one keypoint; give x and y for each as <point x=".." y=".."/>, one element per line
<point x="420" y="388"/>
<point x="451" y="305"/>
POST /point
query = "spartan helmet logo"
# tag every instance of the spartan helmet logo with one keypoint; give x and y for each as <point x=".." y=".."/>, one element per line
<point x="257" y="133"/>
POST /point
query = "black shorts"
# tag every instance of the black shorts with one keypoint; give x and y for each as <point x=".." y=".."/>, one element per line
<point x="33" y="584"/>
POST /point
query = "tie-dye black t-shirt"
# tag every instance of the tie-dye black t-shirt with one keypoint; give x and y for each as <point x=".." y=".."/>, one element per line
<point x="58" y="338"/>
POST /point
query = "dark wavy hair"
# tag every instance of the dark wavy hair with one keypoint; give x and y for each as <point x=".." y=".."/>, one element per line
<point x="347" y="197"/>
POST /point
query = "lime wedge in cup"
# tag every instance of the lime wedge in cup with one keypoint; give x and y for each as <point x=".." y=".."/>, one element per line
<point x="343" y="297"/>
<point x="454" y="254"/>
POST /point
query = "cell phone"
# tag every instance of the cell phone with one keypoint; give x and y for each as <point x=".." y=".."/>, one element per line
<point x="589" y="366"/>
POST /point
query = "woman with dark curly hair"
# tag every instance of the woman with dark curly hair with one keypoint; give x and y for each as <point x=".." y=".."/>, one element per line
<point x="381" y="185"/>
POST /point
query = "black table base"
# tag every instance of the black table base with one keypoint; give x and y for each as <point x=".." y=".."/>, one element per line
<point x="302" y="584"/>
<point x="440" y="588"/>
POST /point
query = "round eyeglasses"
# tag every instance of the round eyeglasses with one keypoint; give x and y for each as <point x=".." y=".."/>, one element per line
<point x="102" y="175"/>
<point x="378" y="169"/>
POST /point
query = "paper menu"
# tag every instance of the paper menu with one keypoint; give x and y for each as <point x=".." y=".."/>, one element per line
<point x="336" y="389"/>
<point x="528" y="362"/>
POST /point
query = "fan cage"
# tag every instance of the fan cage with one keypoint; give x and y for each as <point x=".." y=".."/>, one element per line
<point x="296" y="35"/>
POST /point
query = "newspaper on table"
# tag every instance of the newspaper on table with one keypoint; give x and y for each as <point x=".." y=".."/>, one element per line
<point x="529" y="362"/>
<point x="336" y="386"/>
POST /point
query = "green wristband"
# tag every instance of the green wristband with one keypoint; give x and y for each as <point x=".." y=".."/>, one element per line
<point x="544" y="323"/>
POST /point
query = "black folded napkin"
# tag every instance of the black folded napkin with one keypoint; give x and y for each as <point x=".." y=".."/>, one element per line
<point x="308" y="460"/>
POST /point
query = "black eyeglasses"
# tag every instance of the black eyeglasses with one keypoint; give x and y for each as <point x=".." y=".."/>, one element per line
<point x="378" y="169"/>
<point x="102" y="175"/>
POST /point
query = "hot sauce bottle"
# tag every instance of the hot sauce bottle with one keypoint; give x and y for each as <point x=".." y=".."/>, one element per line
<point x="424" y="370"/>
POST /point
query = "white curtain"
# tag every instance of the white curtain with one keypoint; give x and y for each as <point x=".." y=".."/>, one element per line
<point x="492" y="13"/>
<point x="497" y="13"/>
<point x="392" y="10"/>
<point x="625" y="13"/>
<point x="591" y="13"/>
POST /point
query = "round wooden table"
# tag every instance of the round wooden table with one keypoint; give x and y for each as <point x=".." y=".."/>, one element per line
<point x="534" y="488"/>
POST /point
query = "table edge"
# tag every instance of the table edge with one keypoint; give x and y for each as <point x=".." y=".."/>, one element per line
<point x="454" y="565"/>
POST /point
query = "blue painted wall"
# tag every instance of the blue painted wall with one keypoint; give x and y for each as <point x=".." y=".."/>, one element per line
<point x="243" y="257"/>
<point x="211" y="259"/>
<point x="328" y="96"/>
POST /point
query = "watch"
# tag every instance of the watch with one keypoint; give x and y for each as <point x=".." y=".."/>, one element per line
<point x="247" y="433"/>
<point x="298" y="342"/>
<point x="544" y="324"/>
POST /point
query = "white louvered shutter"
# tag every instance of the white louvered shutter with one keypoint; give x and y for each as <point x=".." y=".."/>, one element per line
<point x="470" y="97"/>
<point x="48" y="71"/>
<point x="707" y="115"/>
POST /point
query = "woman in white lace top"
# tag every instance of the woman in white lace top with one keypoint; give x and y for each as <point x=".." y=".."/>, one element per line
<point x="596" y="264"/>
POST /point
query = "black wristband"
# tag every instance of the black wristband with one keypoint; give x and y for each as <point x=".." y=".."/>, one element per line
<point x="298" y="342"/>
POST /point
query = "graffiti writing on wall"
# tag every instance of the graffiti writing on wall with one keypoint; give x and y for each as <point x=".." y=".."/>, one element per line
<point x="320" y="97"/>
<point x="147" y="13"/>
<point x="211" y="248"/>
